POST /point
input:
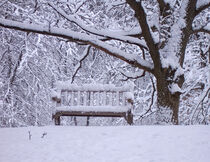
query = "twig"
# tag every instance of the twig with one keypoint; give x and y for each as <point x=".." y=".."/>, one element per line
<point x="80" y="63"/>
<point x="29" y="135"/>
<point x="152" y="101"/>
<point x="201" y="101"/>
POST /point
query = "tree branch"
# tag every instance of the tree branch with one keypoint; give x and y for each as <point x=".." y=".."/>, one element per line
<point x="152" y="101"/>
<point x="187" y="30"/>
<point x="86" y="53"/>
<point x="132" y="59"/>
<point x="80" y="5"/>
<point x="200" y="30"/>
<point x="142" y="19"/>
<point x="133" y="76"/>
<point x="200" y="9"/>
<point x="2" y="3"/>
<point x="108" y="35"/>
<point x="202" y="99"/>
<point x="161" y="5"/>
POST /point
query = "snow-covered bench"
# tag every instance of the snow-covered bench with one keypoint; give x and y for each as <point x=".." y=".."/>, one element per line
<point x="93" y="100"/>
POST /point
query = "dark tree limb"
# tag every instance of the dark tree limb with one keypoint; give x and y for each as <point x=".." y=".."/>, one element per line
<point x="152" y="46"/>
<point x="187" y="30"/>
<point x="80" y="63"/>
<point x="200" y="9"/>
<point x="161" y="5"/>
<point x="100" y="34"/>
<point x="200" y="30"/>
<point x="78" y="37"/>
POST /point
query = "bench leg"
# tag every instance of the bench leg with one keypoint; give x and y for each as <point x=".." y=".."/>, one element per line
<point x="87" y="124"/>
<point x="57" y="120"/>
<point x="130" y="118"/>
<point x="75" y="120"/>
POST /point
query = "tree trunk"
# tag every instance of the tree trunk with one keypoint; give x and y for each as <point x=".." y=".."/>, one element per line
<point x="167" y="101"/>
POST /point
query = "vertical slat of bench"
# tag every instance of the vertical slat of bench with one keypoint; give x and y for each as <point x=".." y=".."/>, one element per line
<point x="117" y="98"/>
<point x="72" y="98"/>
<point x="78" y="98"/>
<point x="58" y="104"/>
<point x="103" y="98"/>
<point x="62" y="98"/>
<point x="65" y="93"/>
<point x="97" y="98"/>
<point x="110" y="98"/>
<point x="68" y="99"/>
<point x="91" y="98"/>
<point x="123" y="98"/>
<point x="85" y="98"/>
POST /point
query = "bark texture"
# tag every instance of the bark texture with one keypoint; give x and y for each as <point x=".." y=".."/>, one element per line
<point x="168" y="101"/>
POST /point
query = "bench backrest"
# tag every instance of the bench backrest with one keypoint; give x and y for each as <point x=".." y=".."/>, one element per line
<point x="92" y="95"/>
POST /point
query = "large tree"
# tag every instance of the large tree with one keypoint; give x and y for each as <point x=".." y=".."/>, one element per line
<point x="155" y="34"/>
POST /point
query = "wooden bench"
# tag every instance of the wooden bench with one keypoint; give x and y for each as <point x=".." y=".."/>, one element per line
<point x="93" y="100"/>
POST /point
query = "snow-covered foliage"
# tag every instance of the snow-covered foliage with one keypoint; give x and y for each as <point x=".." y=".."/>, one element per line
<point x="162" y="47"/>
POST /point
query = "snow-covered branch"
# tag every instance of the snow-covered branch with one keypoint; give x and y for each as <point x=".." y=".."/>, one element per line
<point x="130" y="75"/>
<point x="201" y="5"/>
<point x="132" y="59"/>
<point x="205" y="94"/>
<point x="116" y="3"/>
<point x="161" y="5"/>
<point x="110" y="34"/>
<point x="142" y="19"/>
<point x="85" y="54"/>
<point x="205" y="29"/>
<point x="2" y="3"/>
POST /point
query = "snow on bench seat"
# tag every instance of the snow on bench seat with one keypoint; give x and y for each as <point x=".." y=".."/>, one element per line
<point x="94" y="108"/>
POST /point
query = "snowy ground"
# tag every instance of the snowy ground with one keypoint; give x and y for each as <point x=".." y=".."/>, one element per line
<point x="106" y="144"/>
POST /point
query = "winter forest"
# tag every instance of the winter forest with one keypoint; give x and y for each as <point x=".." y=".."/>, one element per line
<point x="161" y="47"/>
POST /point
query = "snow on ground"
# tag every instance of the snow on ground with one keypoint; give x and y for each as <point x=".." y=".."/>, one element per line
<point x="106" y="144"/>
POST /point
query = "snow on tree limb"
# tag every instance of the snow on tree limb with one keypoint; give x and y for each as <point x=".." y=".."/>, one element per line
<point x="202" y="97"/>
<point x="133" y="75"/>
<point x="141" y="17"/>
<point x="80" y="37"/>
<point x="3" y="2"/>
<point x="202" y="5"/>
<point x="161" y="5"/>
<point x="205" y="29"/>
<point x="122" y="36"/>
<point x="187" y="30"/>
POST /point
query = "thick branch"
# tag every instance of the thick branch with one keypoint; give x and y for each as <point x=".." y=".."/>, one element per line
<point x="132" y="59"/>
<point x="187" y="31"/>
<point x="142" y="19"/>
<point x="161" y="5"/>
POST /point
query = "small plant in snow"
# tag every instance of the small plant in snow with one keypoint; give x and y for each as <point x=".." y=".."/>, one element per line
<point x="29" y="135"/>
<point x="44" y="134"/>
